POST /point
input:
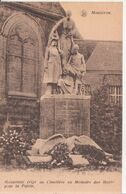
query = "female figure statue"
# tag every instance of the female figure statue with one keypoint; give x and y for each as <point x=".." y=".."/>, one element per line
<point x="53" y="68"/>
<point x="66" y="38"/>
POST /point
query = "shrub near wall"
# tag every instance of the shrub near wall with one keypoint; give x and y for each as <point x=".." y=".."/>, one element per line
<point x="106" y="122"/>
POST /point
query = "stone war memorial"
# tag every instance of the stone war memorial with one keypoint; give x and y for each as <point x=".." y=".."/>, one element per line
<point x="60" y="98"/>
<point x="64" y="107"/>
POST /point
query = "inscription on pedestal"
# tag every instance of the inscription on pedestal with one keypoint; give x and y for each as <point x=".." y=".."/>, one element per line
<point x="67" y="116"/>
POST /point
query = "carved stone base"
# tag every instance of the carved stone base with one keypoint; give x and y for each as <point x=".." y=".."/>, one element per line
<point x="65" y="114"/>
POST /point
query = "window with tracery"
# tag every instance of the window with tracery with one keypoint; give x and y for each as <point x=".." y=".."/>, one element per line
<point x="22" y="60"/>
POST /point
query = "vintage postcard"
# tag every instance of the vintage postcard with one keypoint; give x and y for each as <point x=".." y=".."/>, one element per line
<point x="61" y="97"/>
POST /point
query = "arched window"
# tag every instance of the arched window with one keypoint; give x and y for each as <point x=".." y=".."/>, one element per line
<point x="22" y="60"/>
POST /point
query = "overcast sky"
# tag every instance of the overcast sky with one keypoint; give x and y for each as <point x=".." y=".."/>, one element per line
<point x="97" y="26"/>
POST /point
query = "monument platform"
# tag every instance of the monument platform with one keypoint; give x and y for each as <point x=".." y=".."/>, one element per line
<point x="64" y="114"/>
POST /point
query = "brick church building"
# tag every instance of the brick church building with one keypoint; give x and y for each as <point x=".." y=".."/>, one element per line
<point x="24" y="31"/>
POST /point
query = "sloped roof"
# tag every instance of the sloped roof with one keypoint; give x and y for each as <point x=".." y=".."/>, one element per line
<point x="86" y="47"/>
<point x="106" y="56"/>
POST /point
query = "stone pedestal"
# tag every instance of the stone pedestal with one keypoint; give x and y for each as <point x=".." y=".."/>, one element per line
<point x="65" y="114"/>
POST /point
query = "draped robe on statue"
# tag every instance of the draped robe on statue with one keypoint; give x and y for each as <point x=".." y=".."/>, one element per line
<point x="61" y="70"/>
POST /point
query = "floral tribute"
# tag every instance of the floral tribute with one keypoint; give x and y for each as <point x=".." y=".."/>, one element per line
<point x="13" y="145"/>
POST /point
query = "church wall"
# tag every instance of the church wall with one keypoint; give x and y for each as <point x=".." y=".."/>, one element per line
<point x="17" y="107"/>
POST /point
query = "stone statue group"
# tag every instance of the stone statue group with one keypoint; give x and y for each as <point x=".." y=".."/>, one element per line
<point x="64" y="66"/>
